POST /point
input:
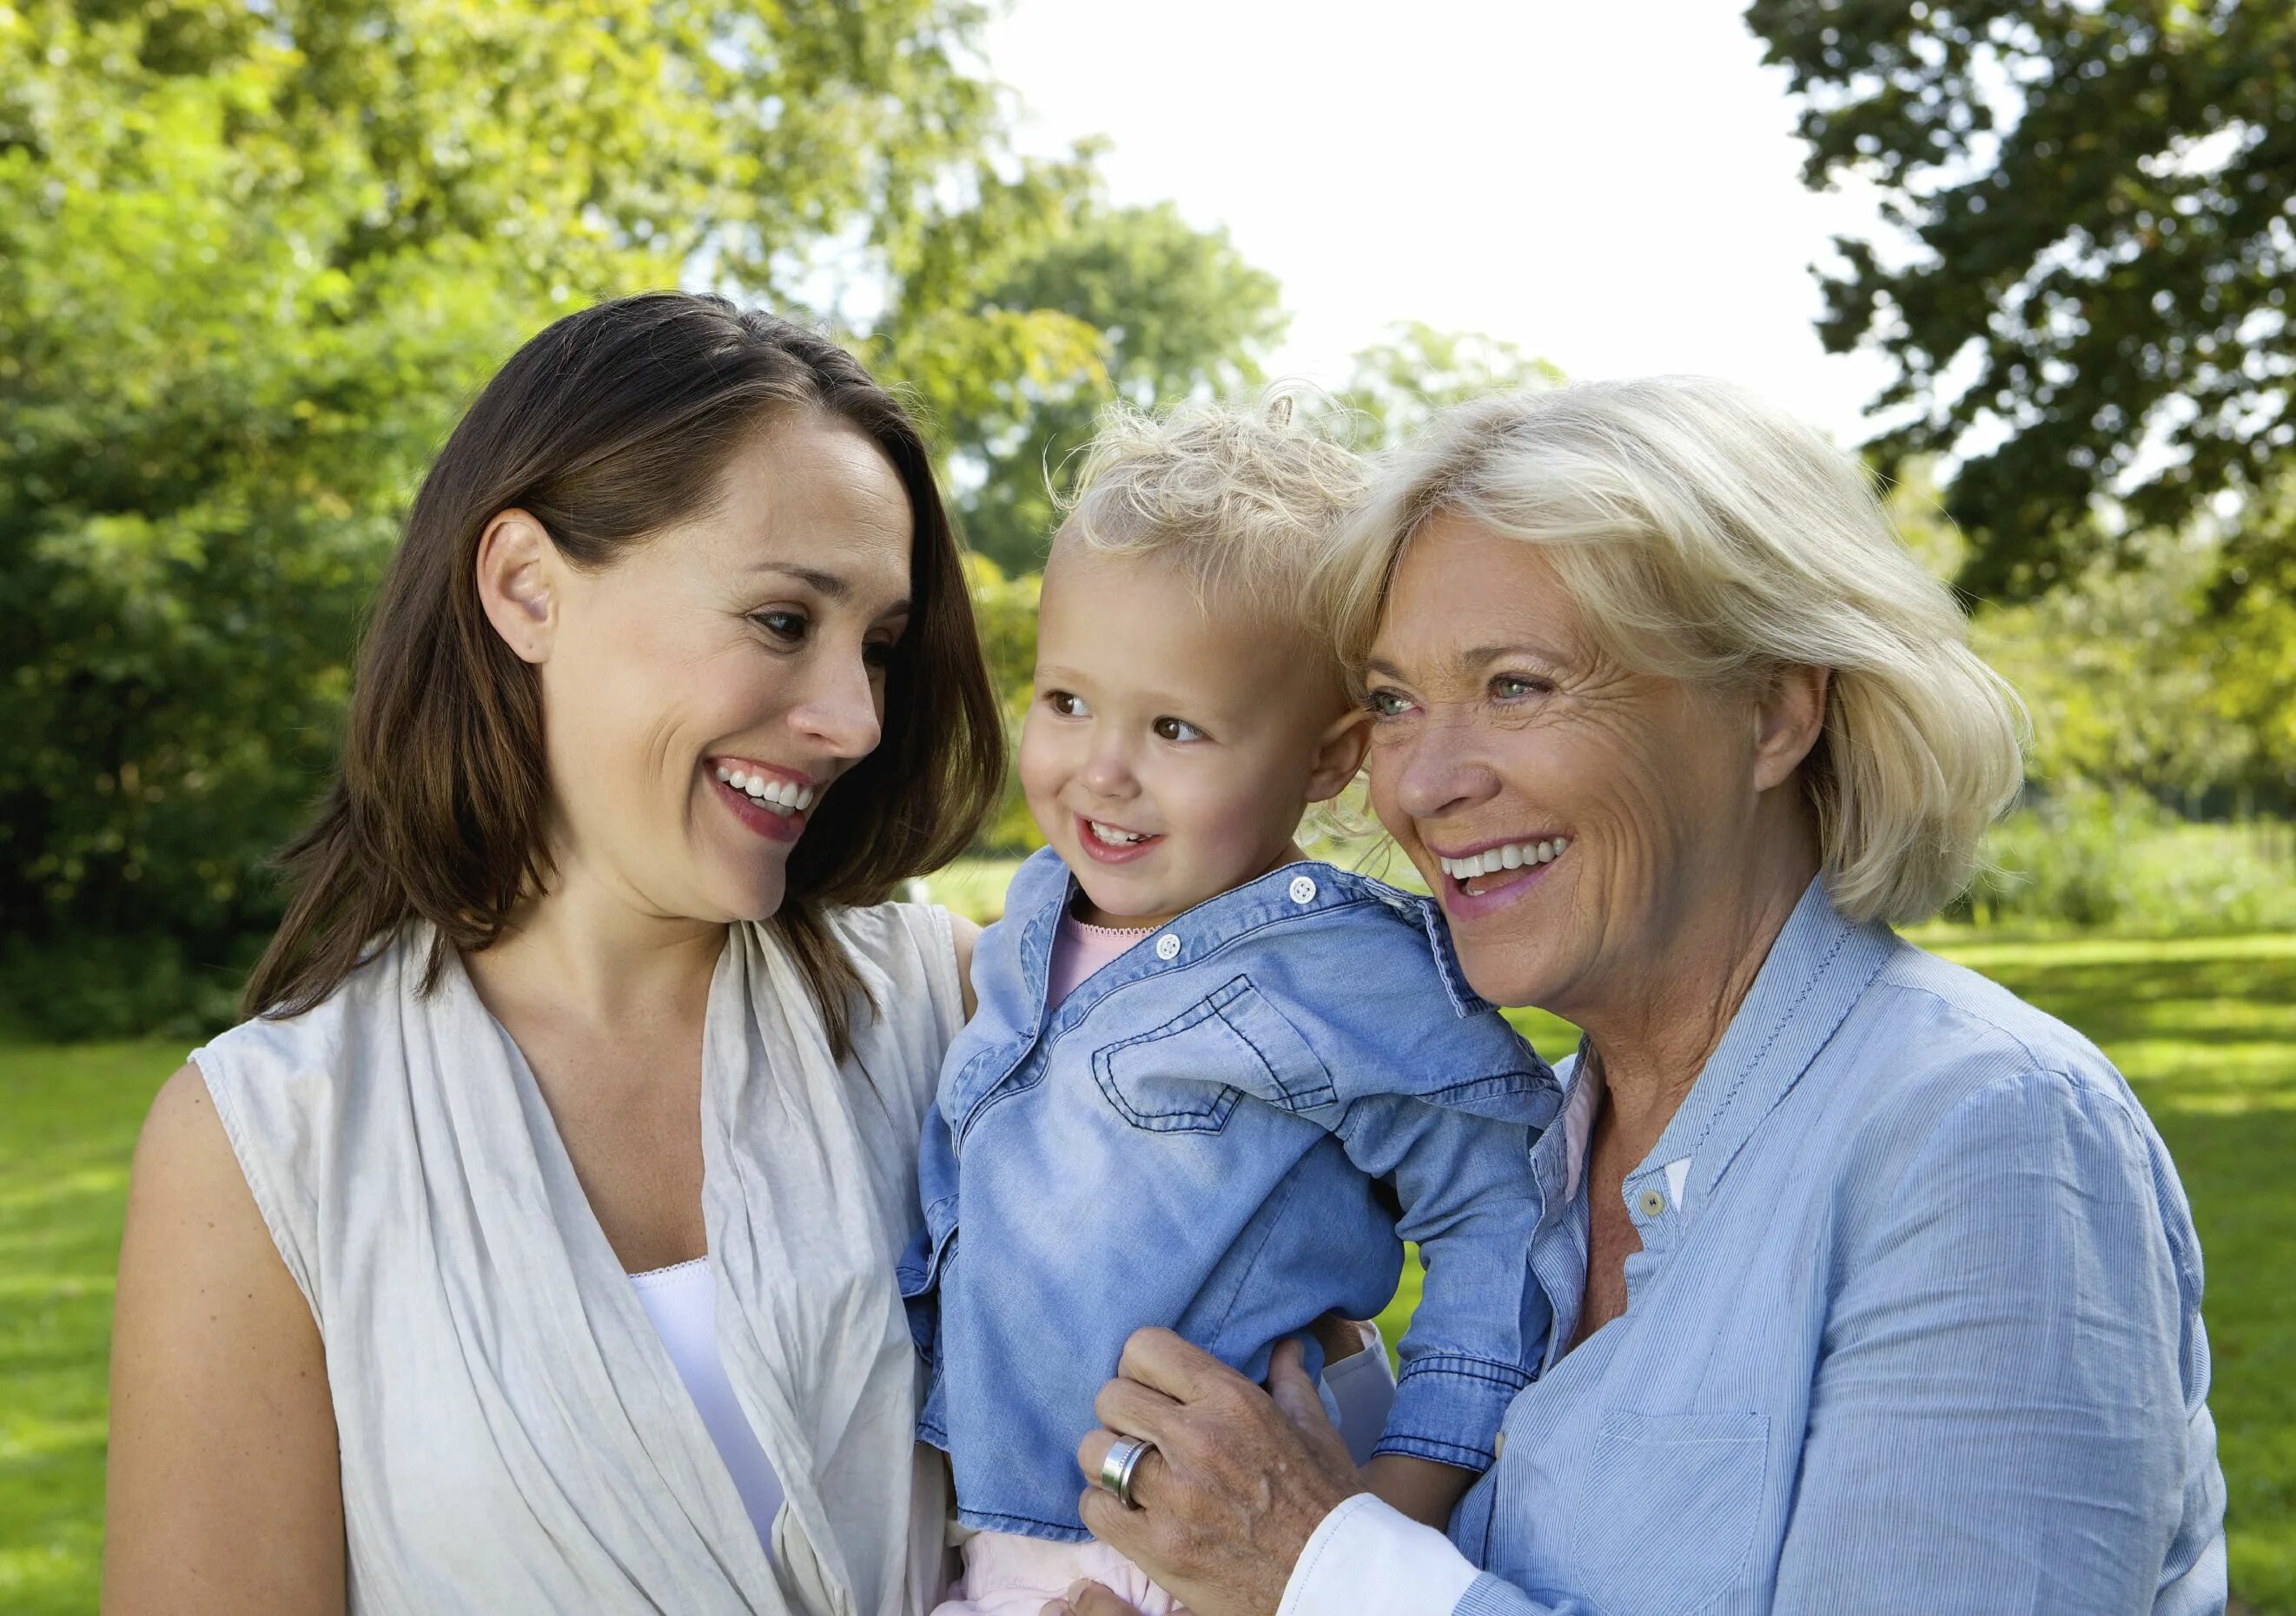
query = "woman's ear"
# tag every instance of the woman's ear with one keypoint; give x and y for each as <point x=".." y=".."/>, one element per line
<point x="1788" y="720"/>
<point x="518" y="572"/>
<point x="1339" y="755"/>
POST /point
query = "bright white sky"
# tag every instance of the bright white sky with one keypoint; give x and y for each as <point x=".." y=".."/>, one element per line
<point x="1613" y="184"/>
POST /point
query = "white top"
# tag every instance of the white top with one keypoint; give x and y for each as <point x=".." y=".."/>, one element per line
<point x="681" y="1301"/>
<point x="513" y="1437"/>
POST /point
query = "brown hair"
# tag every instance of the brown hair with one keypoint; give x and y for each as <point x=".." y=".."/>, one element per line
<point x="612" y="425"/>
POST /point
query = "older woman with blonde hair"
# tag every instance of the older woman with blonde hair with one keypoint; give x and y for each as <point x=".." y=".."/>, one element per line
<point x="1873" y="1289"/>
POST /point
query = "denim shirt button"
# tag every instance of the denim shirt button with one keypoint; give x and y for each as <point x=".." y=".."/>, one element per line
<point x="1654" y="1202"/>
<point x="1168" y="947"/>
<point x="1303" y="890"/>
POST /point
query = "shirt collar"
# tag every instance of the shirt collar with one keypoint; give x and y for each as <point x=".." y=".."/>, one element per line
<point x="1043" y="890"/>
<point x="1816" y="970"/>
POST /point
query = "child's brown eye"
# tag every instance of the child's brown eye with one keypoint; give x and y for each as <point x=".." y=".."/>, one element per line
<point x="1061" y="702"/>
<point x="1177" y="729"/>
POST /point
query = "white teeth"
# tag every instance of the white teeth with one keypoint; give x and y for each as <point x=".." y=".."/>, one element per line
<point x="1514" y="856"/>
<point x="1114" y="836"/>
<point x="784" y="797"/>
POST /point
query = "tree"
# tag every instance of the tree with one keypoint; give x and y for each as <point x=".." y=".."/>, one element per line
<point x="1399" y="384"/>
<point x="2084" y="281"/>
<point x="1168" y="312"/>
<point x="255" y="259"/>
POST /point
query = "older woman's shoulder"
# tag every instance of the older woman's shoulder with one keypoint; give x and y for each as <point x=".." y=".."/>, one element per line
<point x="1943" y="1080"/>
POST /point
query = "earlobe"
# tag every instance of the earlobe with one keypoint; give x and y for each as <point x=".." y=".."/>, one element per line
<point x="515" y="567"/>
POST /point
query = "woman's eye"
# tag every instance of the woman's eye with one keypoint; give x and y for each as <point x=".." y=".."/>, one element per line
<point x="1386" y="703"/>
<point x="878" y="653"/>
<point x="1068" y="706"/>
<point x="1177" y="729"/>
<point x="787" y="626"/>
<point x="1513" y="687"/>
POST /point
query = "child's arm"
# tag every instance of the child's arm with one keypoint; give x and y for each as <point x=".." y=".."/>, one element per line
<point x="1421" y="1489"/>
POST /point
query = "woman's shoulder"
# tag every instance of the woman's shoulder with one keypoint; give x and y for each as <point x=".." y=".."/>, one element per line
<point x="1955" y="1084"/>
<point x="313" y="1045"/>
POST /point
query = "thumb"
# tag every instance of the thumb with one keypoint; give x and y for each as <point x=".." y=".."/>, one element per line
<point x="1295" y="1393"/>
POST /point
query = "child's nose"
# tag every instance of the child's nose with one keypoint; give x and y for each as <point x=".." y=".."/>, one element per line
<point x="1107" y="773"/>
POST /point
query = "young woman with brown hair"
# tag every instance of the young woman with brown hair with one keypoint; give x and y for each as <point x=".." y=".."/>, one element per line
<point x="572" y="1133"/>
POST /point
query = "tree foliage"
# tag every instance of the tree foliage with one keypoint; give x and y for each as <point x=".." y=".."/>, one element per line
<point x="255" y="257"/>
<point x="2084" y="281"/>
<point x="1401" y="383"/>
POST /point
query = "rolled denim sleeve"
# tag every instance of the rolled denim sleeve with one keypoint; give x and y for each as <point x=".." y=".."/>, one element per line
<point x="1469" y="1200"/>
<point x="2005" y="1380"/>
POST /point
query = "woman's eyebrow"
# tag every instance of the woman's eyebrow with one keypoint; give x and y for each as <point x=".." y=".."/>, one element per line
<point x="1471" y="661"/>
<point x="830" y="586"/>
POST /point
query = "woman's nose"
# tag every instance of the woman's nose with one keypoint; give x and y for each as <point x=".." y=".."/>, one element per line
<point x="840" y="711"/>
<point x="1441" y="771"/>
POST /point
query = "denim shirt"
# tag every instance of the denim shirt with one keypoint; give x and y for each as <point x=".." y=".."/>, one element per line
<point x="1916" y="1327"/>
<point x="1213" y="1134"/>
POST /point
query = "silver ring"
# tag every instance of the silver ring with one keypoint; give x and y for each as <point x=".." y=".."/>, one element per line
<point x="1119" y="1463"/>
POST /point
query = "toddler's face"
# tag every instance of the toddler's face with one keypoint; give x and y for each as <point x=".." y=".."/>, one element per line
<point x="1168" y="754"/>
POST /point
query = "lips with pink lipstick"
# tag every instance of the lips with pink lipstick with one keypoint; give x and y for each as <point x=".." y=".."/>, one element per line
<point x="771" y="801"/>
<point x="1105" y="842"/>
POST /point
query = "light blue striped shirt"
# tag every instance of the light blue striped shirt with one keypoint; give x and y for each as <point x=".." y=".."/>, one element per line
<point x="1916" y="1327"/>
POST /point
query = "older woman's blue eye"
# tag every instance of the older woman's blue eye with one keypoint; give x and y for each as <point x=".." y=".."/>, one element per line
<point x="1513" y="687"/>
<point x="1385" y="703"/>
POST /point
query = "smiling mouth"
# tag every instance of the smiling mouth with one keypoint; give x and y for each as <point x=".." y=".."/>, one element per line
<point x="1106" y="843"/>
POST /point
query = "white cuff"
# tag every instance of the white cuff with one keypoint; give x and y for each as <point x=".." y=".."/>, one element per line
<point x="1367" y="1559"/>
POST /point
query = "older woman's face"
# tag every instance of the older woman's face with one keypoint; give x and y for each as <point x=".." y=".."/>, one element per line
<point x="1608" y="802"/>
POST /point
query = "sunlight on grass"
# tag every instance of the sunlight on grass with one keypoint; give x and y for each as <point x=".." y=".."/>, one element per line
<point x="2205" y="1029"/>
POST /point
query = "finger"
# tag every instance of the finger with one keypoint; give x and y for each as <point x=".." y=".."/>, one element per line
<point x="1092" y="1450"/>
<point x="1122" y="1530"/>
<point x="1134" y="1409"/>
<point x="1288" y="1383"/>
<point x="1092" y="1599"/>
<point x="1340" y="1336"/>
<point x="1180" y="1370"/>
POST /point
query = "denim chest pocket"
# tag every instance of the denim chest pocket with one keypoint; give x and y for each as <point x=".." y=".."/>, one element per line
<point x="1187" y="1075"/>
<point x="1666" y="1523"/>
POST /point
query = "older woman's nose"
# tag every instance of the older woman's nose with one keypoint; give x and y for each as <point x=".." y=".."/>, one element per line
<point x="1439" y="771"/>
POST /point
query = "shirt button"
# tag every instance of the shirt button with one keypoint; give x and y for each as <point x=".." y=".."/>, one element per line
<point x="1168" y="947"/>
<point x="1654" y="1202"/>
<point x="1303" y="890"/>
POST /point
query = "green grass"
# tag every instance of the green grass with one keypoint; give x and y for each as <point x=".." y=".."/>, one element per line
<point x="2206" y="1031"/>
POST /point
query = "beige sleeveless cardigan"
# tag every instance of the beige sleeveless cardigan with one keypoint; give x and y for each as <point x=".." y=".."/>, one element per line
<point x="514" y="1437"/>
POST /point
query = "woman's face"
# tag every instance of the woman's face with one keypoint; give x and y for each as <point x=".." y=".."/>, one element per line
<point x="1499" y="732"/>
<point x="701" y="695"/>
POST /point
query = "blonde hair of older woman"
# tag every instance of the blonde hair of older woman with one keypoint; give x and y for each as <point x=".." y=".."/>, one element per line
<point x="1705" y="536"/>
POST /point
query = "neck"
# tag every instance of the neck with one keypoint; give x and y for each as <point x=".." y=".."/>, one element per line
<point x="584" y="953"/>
<point x="1655" y="1029"/>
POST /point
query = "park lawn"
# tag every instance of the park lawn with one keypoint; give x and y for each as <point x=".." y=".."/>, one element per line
<point x="2205" y="1029"/>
